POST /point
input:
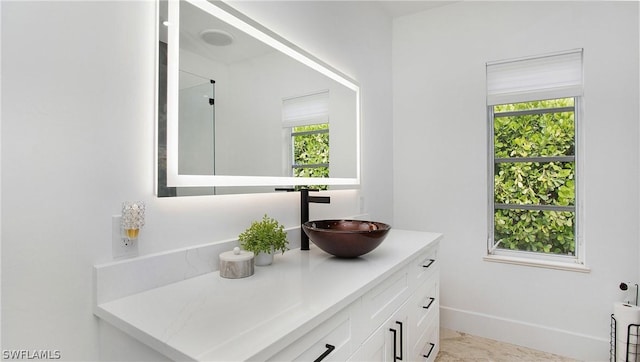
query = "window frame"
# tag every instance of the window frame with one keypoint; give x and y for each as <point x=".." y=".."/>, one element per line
<point x="568" y="262"/>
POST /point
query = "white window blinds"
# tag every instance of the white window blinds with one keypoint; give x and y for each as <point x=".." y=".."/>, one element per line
<point x="556" y="75"/>
<point x="305" y="110"/>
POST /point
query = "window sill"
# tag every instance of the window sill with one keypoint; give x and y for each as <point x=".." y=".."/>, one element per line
<point x="537" y="263"/>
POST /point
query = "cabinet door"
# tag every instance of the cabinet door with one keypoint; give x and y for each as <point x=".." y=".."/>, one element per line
<point x="388" y="343"/>
<point x="374" y="349"/>
<point x="397" y="328"/>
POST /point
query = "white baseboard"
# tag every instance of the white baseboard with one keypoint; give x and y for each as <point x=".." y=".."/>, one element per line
<point x="552" y="340"/>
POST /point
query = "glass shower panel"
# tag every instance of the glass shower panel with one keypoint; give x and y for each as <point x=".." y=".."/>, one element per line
<point x="197" y="125"/>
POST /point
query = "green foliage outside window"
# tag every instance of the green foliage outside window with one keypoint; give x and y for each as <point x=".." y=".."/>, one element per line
<point x="311" y="147"/>
<point x="535" y="183"/>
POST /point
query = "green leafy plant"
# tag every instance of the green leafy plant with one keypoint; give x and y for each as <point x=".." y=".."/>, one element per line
<point x="265" y="236"/>
<point x="535" y="183"/>
<point x="311" y="149"/>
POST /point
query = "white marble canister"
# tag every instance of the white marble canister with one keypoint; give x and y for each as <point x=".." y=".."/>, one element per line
<point x="236" y="264"/>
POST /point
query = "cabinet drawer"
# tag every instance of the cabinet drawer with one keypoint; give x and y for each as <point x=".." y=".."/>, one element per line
<point x="427" y="346"/>
<point x="425" y="302"/>
<point x="331" y="341"/>
<point x="426" y="264"/>
<point x="382" y="301"/>
<point x="423" y="309"/>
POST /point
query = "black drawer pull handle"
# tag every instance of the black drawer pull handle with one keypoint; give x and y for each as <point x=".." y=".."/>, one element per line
<point x="395" y="351"/>
<point x="430" y="302"/>
<point x="431" y="261"/>
<point x="329" y="348"/>
<point x="395" y="343"/>
<point x="430" y="350"/>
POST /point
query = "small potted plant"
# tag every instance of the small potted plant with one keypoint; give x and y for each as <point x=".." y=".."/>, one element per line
<point x="264" y="238"/>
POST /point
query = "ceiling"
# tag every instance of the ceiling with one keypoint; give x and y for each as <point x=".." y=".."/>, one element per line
<point x="395" y="8"/>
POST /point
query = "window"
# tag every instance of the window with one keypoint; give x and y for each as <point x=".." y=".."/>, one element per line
<point x="306" y="128"/>
<point x="310" y="151"/>
<point x="533" y="116"/>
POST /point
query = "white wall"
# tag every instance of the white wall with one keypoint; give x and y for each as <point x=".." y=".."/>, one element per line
<point x="77" y="140"/>
<point x="440" y="164"/>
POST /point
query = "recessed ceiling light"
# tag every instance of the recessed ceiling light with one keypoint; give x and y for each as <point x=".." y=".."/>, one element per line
<point x="216" y="37"/>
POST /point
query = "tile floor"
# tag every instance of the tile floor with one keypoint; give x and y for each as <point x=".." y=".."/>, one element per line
<point x="457" y="346"/>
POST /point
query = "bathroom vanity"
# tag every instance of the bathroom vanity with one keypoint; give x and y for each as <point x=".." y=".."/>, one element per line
<point x="307" y="306"/>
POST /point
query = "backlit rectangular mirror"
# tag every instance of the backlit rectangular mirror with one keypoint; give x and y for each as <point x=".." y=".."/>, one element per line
<point x="241" y="109"/>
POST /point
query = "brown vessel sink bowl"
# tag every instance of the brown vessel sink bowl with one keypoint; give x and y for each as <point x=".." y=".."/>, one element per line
<point x="346" y="238"/>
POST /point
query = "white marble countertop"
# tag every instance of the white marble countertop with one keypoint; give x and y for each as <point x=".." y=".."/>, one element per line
<point x="207" y="317"/>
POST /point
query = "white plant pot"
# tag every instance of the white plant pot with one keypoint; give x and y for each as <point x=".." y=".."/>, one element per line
<point x="264" y="259"/>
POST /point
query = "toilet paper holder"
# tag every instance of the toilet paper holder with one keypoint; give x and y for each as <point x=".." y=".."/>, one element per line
<point x="631" y="351"/>
<point x="625" y="286"/>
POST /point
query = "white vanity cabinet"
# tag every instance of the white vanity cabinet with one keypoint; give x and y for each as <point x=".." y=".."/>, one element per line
<point x="408" y="303"/>
<point x="307" y="306"/>
<point x="424" y="308"/>
<point x="397" y="320"/>
<point x="375" y="327"/>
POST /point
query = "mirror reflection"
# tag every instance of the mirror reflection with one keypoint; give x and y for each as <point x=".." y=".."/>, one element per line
<point x="247" y="113"/>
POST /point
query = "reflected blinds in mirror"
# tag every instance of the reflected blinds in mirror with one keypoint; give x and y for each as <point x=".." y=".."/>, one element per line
<point x="305" y="110"/>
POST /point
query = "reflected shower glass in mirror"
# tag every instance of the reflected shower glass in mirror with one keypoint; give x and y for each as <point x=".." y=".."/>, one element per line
<point x="242" y="110"/>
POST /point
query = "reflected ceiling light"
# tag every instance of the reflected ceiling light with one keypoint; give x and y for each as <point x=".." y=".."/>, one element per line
<point x="216" y="37"/>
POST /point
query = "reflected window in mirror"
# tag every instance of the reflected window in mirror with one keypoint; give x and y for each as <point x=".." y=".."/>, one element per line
<point x="306" y="124"/>
<point x="310" y="151"/>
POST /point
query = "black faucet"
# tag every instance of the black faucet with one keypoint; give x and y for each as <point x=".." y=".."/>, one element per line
<point x="305" y="199"/>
